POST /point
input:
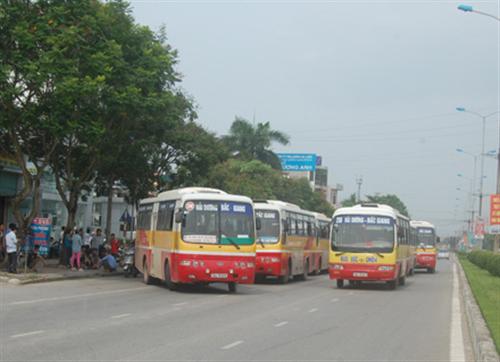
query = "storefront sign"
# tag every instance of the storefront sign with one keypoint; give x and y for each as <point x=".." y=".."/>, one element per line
<point x="40" y="234"/>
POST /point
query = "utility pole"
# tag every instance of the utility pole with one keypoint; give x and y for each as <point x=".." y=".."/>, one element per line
<point x="359" y="182"/>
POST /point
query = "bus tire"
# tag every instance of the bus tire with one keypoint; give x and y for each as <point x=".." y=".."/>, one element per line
<point x="317" y="270"/>
<point x="411" y="272"/>
<point x="391" y="284"/>
<point x="168" y="278"/>
<point x="284" y="279"/>
<point x="305" y="272"/>
<point x="431" y="270"/>
<point x="231" y="286"/>
<point x="340" y="283"/>
<point x="402" y="280"/>
<point x="145" y="273"/>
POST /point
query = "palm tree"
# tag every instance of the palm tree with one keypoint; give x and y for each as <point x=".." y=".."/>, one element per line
<point x="250" y="141"/>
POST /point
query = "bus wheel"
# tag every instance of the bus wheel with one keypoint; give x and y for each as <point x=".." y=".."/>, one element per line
<point x="402" y="280"/>
<point x="391" y="284"/>
<point x="340" y="283"/>
<point x="431" y="270"/>
<point x="317" y="271"/>
<point x="232" y="287"/>
<point x="305" y="272"/>
<point x="145" y="273"/>
<point x="411" y="272"/>
<point x="168" y="278"/>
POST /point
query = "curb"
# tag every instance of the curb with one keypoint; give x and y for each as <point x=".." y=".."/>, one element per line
<point x="482" y="344"/>
<point x="55" y="278"/>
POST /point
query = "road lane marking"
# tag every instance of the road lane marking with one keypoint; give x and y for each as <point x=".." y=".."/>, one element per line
<point x="180" y="304"/>
<point x="457" y="352"/>
<point x="232" y="345"/>
<point x="26" y="334"/>
<point x="121" y="315"/>
<point x="313" y="310"/>
<point x="281" y="324"/>
<point x="334" y="300"/>
<point x="33" y="301"/>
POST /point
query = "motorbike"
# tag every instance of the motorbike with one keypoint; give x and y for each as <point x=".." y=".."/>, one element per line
<point x="128" y="262"/>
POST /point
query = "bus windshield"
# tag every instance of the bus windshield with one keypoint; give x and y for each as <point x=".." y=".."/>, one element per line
<point x="363" y="233"/>
<point x="270" y="226"/>
<point x="426" y="236"/>
<point x="218" y="222"/>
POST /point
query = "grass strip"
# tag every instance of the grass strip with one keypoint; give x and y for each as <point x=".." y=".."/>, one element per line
<point x="486" y="290"/>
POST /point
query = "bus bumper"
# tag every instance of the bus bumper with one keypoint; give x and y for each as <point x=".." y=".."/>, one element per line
<point x="360" y="271"/>
<point x="192" y="269"/>
<point x="426" y="261"/>
<point x="270" y="264"/>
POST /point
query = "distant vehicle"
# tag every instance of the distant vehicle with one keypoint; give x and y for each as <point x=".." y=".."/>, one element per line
<point x="289" y="243"/>
<point x="443" y="254"/>
<point x="426" y="245"/>
<point x="370" y="242"/>
<point x="196" y="236"/>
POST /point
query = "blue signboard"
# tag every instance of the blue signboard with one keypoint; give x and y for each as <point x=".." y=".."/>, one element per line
<point x="40" y="234"/>
<point x="297" y="161"/>
<point x="363" y="219"/>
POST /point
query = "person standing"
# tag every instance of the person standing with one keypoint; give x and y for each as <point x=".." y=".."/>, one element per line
<point x="2" y="243"/>
<point x="68" y="247"/>
<point x="77" y="242"/>
<point x="11" y="246"/>
<point x="115" y="246"/>
<point x="96" y="241"/>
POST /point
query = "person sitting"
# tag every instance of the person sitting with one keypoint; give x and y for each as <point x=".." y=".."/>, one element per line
<point x="108" y="262"/>
<point x="34" y="259"/>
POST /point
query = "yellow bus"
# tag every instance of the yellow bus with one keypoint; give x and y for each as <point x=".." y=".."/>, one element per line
<point x="196" y="236"/>
<point x="425" y="245"/>
<point x="285" y="241"/>
<point x="370" y="242"/>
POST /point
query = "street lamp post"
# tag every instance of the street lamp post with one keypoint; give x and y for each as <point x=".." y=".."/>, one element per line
<point x="470" y="9"/>
<point x="483" y="117"/>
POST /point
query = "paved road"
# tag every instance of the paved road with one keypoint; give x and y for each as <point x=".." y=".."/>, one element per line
<point x="123" y="319"/>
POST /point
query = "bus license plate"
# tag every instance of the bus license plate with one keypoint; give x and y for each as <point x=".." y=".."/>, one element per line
<point x="360" y="275"/>
<point x="219" y="276"/>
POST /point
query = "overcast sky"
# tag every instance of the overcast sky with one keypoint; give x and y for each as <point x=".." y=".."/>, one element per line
<point x="371" y="86"/>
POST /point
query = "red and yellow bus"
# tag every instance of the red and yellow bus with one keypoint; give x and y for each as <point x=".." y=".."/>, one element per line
<point x="286" y="241"/>
<point x="370" y="242"/>
<point x="196" y="236"/>
<point x="425" y="245"/>
<point x="322" y="245"/>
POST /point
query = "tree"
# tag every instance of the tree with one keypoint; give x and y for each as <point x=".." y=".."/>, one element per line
<point x="299" y="192"/>
<point x="126" y="101"/>
<point x="391" y="200"/>
<point x="351" y="201"/>
<point x="249" y="141"/>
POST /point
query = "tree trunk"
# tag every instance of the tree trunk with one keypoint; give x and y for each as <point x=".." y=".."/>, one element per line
<point x="109" y="211"/>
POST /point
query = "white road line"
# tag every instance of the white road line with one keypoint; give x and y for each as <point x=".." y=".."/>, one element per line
<point x="457" y="352"/>
<point x="33" y="301"/>
<point x="281" y="324"/>
<point x="26" y="334"/>
<point x="180" y="304"/>
<point x="334" y="300"/>
<point x="121" y="315"/>
<point x="232" y="345"/>
<point x="313" y="310"/>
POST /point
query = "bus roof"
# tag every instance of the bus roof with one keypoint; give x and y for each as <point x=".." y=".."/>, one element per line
<point x="320" y="216"/>
<point x="370" y="209"/>
<point x="279" y="206"/>
<point x="421" y="224"/>
<point x="197" y="193"/>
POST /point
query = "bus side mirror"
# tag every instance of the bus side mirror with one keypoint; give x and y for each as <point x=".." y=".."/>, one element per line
<point x="258" y="223"/>
<point x="179" y="216"/>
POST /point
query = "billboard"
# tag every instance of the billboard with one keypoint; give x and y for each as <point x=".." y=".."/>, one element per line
<point x="297" y="161"/>
<point x="40" y="234"/>
<point x="494" y="209"/>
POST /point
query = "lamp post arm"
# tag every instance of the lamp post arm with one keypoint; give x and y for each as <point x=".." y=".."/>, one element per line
<point x="486" y="14"/>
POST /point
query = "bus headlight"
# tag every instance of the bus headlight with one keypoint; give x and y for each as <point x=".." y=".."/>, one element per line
<point x="185" y="262"/>
<point x="386" y="268"/>
<point x="338" y="267"/>
<point x="275" y="260"/>
<point x="250" y="265"/>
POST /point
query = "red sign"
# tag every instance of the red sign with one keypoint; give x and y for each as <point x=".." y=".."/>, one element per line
<point x="494" y="209"/>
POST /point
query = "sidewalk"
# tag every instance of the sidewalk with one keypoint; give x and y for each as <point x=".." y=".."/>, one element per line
<point x="51" y="272"/>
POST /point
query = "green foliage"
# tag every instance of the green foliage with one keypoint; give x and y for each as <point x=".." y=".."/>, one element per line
<point x="249" y="141"/>
<point x="351" y="201"/>
<point x="388" y="199"/>
<point x="485" y="288"/>
<point x="487" y="260"/>
<point x="260" y="181"/>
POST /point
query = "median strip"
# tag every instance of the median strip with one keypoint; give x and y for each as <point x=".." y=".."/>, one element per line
<point x="232" y="345"/>
<point x="26" y="334"/>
